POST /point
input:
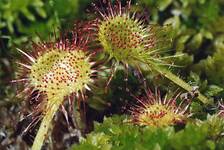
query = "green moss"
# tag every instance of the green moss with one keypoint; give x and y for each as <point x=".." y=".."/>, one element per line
<point x="122" y="135"/>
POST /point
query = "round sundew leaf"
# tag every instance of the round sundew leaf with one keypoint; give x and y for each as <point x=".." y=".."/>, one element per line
<point x="159" y="115"/>
<point x="122" y="38"/>
<point x="61" y="72"/>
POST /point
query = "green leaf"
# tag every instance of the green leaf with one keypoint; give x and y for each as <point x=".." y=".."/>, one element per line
<point x="196" y="41"/>
<point x="163" y="4"/>
<point x="213" y="90"/>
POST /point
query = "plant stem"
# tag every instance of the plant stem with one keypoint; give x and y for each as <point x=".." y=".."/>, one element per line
<point x="52" y="107"/>
<point x="168" y="74"/>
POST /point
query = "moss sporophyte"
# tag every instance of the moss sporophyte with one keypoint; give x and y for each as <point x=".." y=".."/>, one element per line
<point x="153" y="110"/>
<point x="127" y="39"/>
<point x="56" y="70"/>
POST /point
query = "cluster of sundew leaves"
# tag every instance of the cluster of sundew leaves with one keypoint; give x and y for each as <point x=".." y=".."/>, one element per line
<point x="114" y="133"/>
<point x="149" y="53"/>
<point x="119" y="46"/>
<point x="59" y="71"/>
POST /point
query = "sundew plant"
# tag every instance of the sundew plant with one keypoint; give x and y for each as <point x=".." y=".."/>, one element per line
<point x="113" y="74"/>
